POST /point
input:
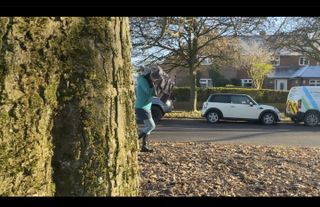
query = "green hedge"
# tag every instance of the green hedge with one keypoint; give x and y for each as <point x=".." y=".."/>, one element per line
<point x="182" y="94"/>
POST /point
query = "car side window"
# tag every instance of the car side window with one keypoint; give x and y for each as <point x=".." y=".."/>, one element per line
<point x="240" y="100"/>
<point x="220" y="99"/>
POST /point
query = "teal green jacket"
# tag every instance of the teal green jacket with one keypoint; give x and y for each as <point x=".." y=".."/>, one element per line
<point x="144" y="93"/>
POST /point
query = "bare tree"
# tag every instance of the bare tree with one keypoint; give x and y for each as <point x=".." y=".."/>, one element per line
<point x="298" y="34"/>
<point x="255" y="58"/>
<point x="182" y="41"/>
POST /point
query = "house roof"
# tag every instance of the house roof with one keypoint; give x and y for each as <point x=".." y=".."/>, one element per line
<point x="304" y="72"/>
<point x="282" y="73"/>
<point x="307" y="72"/>
<point x="245" y="41"/>
<point x="286" y="52"/>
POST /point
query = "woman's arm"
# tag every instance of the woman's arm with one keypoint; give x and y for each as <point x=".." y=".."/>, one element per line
<point x="145" y="86"/>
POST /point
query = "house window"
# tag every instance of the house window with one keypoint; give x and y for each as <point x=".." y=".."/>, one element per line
<point x="303" y="61"/>
<point x="205" y="82"/>
<point x="314" y="82"/>
<point x="246" y="82"/>
<point x="276" y="61"/>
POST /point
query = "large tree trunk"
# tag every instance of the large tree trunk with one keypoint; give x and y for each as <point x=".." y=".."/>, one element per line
<point x="79" y="68"/>
<point x="95" y="132"/>
<point x="193" y="90"/>
<point x="193" y="72"/>
<point x="28" y="82"/>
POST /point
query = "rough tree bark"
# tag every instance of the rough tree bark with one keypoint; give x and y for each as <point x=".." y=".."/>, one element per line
<point x="193" y="91"/>
<point x="67" y="124"/>
<point x="28" y="83"/>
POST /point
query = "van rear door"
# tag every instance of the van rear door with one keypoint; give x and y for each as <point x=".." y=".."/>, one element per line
<point x="292" y="105"/>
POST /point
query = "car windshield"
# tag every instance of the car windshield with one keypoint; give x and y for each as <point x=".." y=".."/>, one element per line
<point x="253" y="101"/>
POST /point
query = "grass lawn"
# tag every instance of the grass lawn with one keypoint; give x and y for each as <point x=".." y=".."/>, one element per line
<point x="197" y="115"/>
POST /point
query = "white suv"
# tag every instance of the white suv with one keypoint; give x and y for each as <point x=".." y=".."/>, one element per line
<point x="238" y="107"/>
<point x="159" y="109"/>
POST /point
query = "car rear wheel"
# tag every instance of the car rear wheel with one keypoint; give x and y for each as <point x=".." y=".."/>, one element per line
<point x="213" y="117"/>
<point x="311" y="119"/>
<point x="268" y="118"/>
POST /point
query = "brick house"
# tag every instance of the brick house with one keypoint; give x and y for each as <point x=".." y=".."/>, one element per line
<point x="293" y="70"/>
<point x="181" y="75"/>
<point x="289" y="69"/>
<point x="287" y="78"/>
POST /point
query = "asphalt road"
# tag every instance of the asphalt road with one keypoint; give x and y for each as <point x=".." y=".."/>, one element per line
<point x="288" y="134"/>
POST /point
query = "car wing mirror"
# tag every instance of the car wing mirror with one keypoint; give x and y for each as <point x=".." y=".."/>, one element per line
<point x="251" y="104"/>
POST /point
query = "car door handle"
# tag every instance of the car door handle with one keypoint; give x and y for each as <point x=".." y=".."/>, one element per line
<point x="232" y="106"/>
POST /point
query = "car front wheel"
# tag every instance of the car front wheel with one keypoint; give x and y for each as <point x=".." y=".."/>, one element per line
<point x="213" y="117"/>
<point x="311" y="119"/>
<point x="268" y="119"/>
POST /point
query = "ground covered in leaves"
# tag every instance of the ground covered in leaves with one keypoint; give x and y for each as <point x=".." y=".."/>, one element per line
<point x="210" y="169"/>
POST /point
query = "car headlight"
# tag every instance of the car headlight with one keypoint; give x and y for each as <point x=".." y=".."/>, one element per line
<point x="205" y="105"/>
<point x="169" y="103"/>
